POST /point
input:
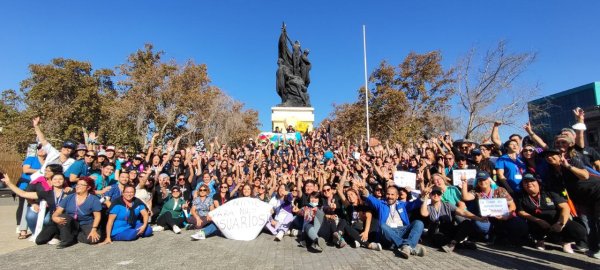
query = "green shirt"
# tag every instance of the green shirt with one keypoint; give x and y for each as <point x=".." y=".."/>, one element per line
<point x="452" y="195"/>
<point x="174" y="206"/>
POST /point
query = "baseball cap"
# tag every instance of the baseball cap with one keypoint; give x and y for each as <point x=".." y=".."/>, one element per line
<point x="482" y="175"/>
<point x="110" y="148"/>
<point x="102" y="153"/>
<point x="81" y="147"/>
<point x="69" y="144"/>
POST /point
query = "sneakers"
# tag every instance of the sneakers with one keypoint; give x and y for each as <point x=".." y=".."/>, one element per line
<point x="594" y="254"/>
<point x="375" y="246"/>
<point x="293" y="232"/>
<point x="62" y="245"/>
<point x="449" y="247"/>
<point x="420" y="251"/>
<point x="356" y="244"/>
<point x="158" y="228"/>
<point x="567" y="248"/>
<point x="404" y="251"/>
<point x="316" y="248"/>
<point x="54" y="241"/>
<point x="339" y="240"/>
<point x="176" y="229"/>
<point x="198" y="236"/>
<point x="279" y="236"/>
<point x="468" y="245"/>
<point x="540" y="245"/>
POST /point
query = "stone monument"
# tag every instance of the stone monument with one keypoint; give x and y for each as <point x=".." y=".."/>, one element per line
<point x="292" y="80"/>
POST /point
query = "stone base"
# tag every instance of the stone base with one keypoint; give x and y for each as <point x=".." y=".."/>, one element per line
<point x="299" y="117"/>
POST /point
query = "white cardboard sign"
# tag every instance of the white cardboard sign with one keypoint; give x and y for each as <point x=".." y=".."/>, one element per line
<point x="493" y="207"/>
<point x="241" y="219"/>
<point x="470" y="174"/>
<point x="405" y="179"/>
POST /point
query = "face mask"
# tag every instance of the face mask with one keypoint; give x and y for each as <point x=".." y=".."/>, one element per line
<point x="313" y="204"/>
<point x="121" y="160"/>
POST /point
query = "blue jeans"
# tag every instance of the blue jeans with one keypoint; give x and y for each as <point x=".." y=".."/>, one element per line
<point x="210" y="229"/>
<point x="32" y="217"/>
<point x="401" y="236"/>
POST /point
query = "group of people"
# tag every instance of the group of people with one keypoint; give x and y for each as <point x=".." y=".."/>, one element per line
<point x="324" y="190"/>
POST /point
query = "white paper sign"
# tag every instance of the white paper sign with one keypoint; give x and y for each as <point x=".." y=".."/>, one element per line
<point x="470" y="174"/>
<point x="493" y="207"/>
<point x="405" y="179"/>
<point x="241" y="219"/>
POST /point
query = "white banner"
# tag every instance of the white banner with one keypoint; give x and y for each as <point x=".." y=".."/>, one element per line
<point x="493" y="207"/>
<point x="405" y="179"/>
<point x="241" y="219"/>
<point x="470" y="174"/>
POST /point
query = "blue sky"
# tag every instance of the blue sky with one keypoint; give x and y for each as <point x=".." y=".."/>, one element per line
<point x="238" y="39"/>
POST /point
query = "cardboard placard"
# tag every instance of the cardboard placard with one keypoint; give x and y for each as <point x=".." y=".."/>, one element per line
<point x="241" y="219"/>
<point x="493" y="207"/>
<point x="405" y="179"/>
<point x="470" y="173"/>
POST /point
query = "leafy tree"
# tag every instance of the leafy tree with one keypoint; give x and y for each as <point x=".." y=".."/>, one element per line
<point x="405" y="102"/>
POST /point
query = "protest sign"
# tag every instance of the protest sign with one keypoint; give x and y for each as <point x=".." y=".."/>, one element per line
<point x="470" y="174"/>
<point x="241" y="219"/>
<point x="493" y="207"/>
<point x="405" y="179"/>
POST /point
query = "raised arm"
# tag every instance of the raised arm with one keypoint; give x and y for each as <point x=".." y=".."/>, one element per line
<point x="38" y="132"/>
<point x="580" y="118"/>
<point x="535" y="137"/>
<point x="495" y="134"/>
<point x="21" y="193"/>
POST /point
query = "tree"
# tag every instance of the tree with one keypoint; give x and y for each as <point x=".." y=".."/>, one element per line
<point x="406" y="102"/>
<point x="488" y="92"/>
<point x="67" y="95"/>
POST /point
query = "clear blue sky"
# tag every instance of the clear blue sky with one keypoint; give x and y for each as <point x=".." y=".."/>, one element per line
<point x="238" y="39"/>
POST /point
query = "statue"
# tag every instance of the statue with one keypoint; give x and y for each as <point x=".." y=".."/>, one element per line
<point x="292" y="72"/>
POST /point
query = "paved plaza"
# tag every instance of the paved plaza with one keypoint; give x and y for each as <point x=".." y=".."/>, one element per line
<point x="166" y="250"/>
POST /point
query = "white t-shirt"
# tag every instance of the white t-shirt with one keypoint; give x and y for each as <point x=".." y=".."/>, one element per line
<point x="53" y="157"/>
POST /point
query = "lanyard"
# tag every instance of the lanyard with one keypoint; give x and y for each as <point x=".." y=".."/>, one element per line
<point x="536" y="202"/>
<point x="488" y="196"/>
<point x="77" y="206"/>
<point x="57" y="200"/>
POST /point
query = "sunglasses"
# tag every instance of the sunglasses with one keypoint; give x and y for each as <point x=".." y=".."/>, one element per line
<point x="202" y="189"/>
<point x="436" y="194"/>
<point x="92" y="156"/>
<point x="181" y="178"/>
<point x="224" y="187"/>
<point x="528" y="150"/>
<point x="326" y="189"/>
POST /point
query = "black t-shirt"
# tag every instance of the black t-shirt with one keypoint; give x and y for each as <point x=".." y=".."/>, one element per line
<point x="588" y="155"/>
<point x="328" y="209"/>
<point x="48" y="196"/>
<point x="221" y="200"/>
<point x="548" y="205"/>
<point x="582" y="191"/>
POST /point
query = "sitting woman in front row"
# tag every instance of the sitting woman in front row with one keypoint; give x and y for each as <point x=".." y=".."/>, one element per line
<point x="78" y="215"/>
<point x="124" y="216"/>
<point x="548" y="215"/>
<point x="444" y="229"/>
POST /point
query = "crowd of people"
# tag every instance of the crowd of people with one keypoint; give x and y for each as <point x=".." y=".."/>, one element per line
<point x="324" y="191"/>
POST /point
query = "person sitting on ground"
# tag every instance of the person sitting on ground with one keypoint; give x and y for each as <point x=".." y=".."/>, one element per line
<point x="444" y="229"/>
<point x="124" y="216"/>
<point x="360" y="226"/>
<point x="509" y="226"/>
<point x="222" y="196"/>
<point x="312" y="219"/>
<point x="548" y="214"/>
<point x="41" y="184"/>
<point x="171" y="215"/>
<point x="282" y="212"/>
<point x="396" y="229"/>
<point x="52" y="197"/>
<point x="78" y="215"/>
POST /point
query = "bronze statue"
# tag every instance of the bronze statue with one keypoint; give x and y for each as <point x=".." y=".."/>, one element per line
<point x="292" y="75"/>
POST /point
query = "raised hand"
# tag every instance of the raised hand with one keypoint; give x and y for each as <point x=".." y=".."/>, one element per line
<point x="36" y="121"/>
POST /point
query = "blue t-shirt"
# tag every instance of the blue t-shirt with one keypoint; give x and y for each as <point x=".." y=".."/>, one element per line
<point x="84" y="212"/>
<point x="114" y="192"/>
<point x="513" y="171"/>
<point x="100" y="182"/>
<point x="122" y="213"/>
<point x="79" y="169"/>
<point x="33" y="163"/>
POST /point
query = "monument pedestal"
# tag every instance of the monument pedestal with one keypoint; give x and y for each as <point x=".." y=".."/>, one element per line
<point x="301" y="118"/>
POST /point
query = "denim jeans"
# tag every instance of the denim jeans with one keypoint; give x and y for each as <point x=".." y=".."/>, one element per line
<point x="401" y="236"/>
<point x="32" y="217"/>
<point x="210" y="229"/>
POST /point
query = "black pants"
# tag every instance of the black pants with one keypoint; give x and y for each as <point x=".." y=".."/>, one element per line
<point x="353" y="231"/>
<point x="442" y="233"/>
<point x="168" y="221"/>
<point x="572" y="232"/>
<point x="328" y="227"/>
<point x="73" y="232"/>
<point x="48" y="232"/>
<point x="20" y="206"/>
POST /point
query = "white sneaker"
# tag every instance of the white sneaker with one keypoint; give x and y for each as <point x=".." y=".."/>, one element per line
<point x="198" y="236"/>
<point x="294" y="232"/>
<point x="54" y="241"/>
<point x="279" y="236"/>
<point x="176" y="229"/>
<point x="158" y="228"/>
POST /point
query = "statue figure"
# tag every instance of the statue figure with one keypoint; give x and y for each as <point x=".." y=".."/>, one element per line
<point x="292" y="76"/>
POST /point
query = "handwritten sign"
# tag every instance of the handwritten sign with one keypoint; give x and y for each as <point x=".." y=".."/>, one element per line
<point x="405" y="179"/>
<point x="241" y="219"/>
<point x="493" y="207"/>
<point x="470" y="174"/>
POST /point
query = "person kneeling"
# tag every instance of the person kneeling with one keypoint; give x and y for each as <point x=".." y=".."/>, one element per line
<point x="78" y="215"/>
<point x="124" y="218"/>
